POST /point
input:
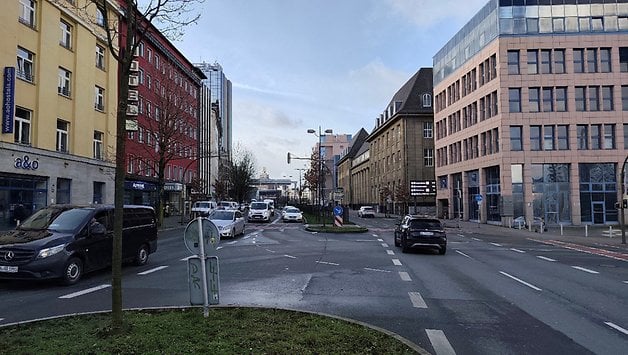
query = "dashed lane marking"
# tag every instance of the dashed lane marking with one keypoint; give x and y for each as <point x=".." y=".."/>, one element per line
<point x="545" y="258"/>
<point x="521" y="281"/>
<point x="496" y="244"/>
<point x="376" y="270"/>
<point x="585" y="269"/>
<point x="476" y="239"/>
<point x="404" y="276"/>
<point x="290" y="256"/>
<point x="463" y="254"/>
<point x="270" y="251"/>
<point x="385" y="245"/>
<point x="417" y="300"/>
<point x="152" y="270"/>
<point x="616" y="327"/>
<point x="390" y="252"/>
<point x="380" y="240"/>
<point x="517" y="250"/>
<point x="327" y="263"/>
<point x="396" y="262"/>
<point x="439" y="342"/>
<point x="84" y="292"/>
<point x="375" y="235"/>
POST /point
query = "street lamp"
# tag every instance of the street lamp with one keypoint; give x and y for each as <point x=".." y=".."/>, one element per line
<point x="321" y="178"/>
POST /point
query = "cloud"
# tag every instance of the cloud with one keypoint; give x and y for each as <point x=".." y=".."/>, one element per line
<point x="427" y="13"/>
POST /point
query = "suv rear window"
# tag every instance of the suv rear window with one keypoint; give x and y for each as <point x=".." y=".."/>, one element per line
<point x="425" y="224"/>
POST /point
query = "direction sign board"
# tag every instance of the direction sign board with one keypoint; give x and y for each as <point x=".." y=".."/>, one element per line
<point x="423" y="188"/>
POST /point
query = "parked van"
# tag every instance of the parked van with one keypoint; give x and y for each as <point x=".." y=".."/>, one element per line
<point x="65" y="241"/>
<point x="203" y="208"/>
<point x="228" y="205"/>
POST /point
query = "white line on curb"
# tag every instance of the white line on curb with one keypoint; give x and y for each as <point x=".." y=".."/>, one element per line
<point x="152" y="270"/>
<point x="521" y="281"/>
<point x="545" y="258"/>
<point x="404" y="276"/>
<point x="89" y="290"/>
<point x="417" y="300"/>
<point x="439" y="342"/>
<point x="616" y="327"/>
<point x="585" y="270"/>
<point x="396" y="262"/>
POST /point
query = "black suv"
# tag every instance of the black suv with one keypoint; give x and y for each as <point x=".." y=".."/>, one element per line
<point x="420" y="231"/>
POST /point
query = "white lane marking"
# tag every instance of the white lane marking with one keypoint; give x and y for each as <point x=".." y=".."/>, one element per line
<point x="517" y="250"/>
<point x="585" y="270"/>
<point x="626" y="282"/>
<point x="290" y="256"/>
<point x="476" y="239"/>
<point x="375" y="235"/>
<point x="218" y="248"/>
<point x="152" y="270"/>
<point x="327" y="263"/>
<point x="233" y="242"/>
<point x="396" y="262"/>
<point x="84" y="292"/>
<point x="1" y="319"/>
<point x="545" y="258"/>
<point x="385" y="245"/>
<point x="496" y="244"/>
<point x="380" y="240"/>
<point x="461" y="235"/>
<point x="521" y="281"/>
<point x="365" y="240"/>
<point x="378" y="270"/>
<point x="463" y="254"/>
<point x="417" y="300"/>
<point x="270" y="251"/>
<point x="248" y="236"/>
<point x="188" y="257"/>
<point x="404" y="276"/>
<point x="390" y="252"/>
<point x="616" y="327"/>
<point x="439" y="342"/>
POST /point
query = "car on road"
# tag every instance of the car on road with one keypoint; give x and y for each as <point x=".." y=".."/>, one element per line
<point x="227" y="205"/>
<point x="230" y="223"/>
<point x="259" y="211"/>
<point x="292" y="214"/>
<point x="366" y="211"/>
<point x="420" y="232"/>
<point x="203" y="208"/>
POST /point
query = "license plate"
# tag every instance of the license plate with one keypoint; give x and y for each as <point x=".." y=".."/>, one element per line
<point x="8" y="268"/>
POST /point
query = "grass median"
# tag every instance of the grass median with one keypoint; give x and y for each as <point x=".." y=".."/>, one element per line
<point x="231" y="330"/>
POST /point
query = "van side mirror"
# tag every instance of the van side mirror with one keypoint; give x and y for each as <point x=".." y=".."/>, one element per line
<point x="97" y="229"/>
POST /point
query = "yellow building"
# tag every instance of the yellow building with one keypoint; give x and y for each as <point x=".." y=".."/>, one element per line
<point x="59" y="105"/>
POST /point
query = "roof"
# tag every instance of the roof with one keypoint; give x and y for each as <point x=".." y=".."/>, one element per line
<point x="356" y="144"/>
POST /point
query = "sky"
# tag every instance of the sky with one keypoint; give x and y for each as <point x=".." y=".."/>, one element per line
<point x="308" y="64"/>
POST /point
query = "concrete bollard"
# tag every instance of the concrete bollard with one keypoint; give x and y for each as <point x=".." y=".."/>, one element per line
<point x="561" y="229"/>
<point x="586" y="230"/>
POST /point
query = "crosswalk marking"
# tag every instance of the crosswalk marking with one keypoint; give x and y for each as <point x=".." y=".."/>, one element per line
<point x="404" y="276"/>
<point x="417" y="300"/>
<point x="396" y="262"/>
<point x="439" y="342"/>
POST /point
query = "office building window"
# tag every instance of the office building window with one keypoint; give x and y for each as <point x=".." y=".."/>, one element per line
<point x="548" y="99"/>
<point x="514" y="99"/>
<point x="516" y="138"/>
<point x="428" y="130"/>
<point x="98" y="145"/>
<point x="624" y="97"/>
<point x="561" y="99"/>
<point x="580" y="98"/>
<point x="66" y="34"/>
<point x="25" y="60"/>
<point x="513" y="62"/>
<point x="546" y="61"/>
<point x="62" y="136"/>
<point x="623" y="59"/>
<point x="533" y="61"/>
<point x="605" y="60"/>
<point x="22" y="126"/>
<point x="535" y="137"/>
<point x="427" y="100"/>
<point x="596" y="136"/>
<point x="548" y="138"/>
<point x="591" y="60"/>
<point x="534" y="100"/>
<point x="607" y="98"/>
<point x="609" y="136"/>
<point x="63" y="87"/>
<point x="27" y="12"/>
<point x="64" y="189"/>
<point x="559" y="61"/>
<point x="99" y="98"/>
<point x="625" y="136"/>
<point x="100" y="57"/>
<point x="583" y="136"/>
<point x="428" y="157"/>
<point x="594" y="98"/>
<point x="563" y="137"/>
<point x="578" y="60"/>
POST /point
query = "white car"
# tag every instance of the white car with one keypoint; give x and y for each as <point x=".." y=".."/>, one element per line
<point x="292" y="214"/>
<point x="366" y="211"/>
<point x="229" y="222"/>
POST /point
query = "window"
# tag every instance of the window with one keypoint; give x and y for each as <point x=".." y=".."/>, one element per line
<point x="535" y="137"/>
<point x="428" y="157"/>
<point x="609" y="136"/>
<point x="27" y="12"/>
<point x="156" y="61"/>
<point x="594" y="100"/>
<point x="623" y="59"/>
<point x="625" y="136"/>
<point x="427" y="100"/>
<point x="513" y="62"/>
<point x="148" y="81"/>
<point x="546" y="61"/>
<point x="66" y="34"/>
<point x="428" y="130"/>
<point x="596" y="136"/>
<point x="534" y="102"/>
<point x="559" y="61"/>
<point x="64" y="82"/>
<point x="548" y="137"/>
<point x="607" y="98"/>
<point x="591" y="60"/>
<point x="516" y="138"/>
<point x="25" y="64"/>
<point x="98" y="145"/>
<point x="605" y="60"/>
<point x="149" y="55"/>
<point x="100" y="57"/>
<point x="624" y="97"/>
<point x="580" y="98"/>
<point x="578" y="60"/>
<point x="533" y="62"/>
<point x="583" y="137"/>
<point x="514" y="99"/>
<point x="563" y="137"/>
<point x="22" y="127"/>
<point x="548" y="99"/>
<point x="62" y="136"/>
<point x="99" y="98"/>
<point x="100" y="17"/>
<point x="561" y="99"/>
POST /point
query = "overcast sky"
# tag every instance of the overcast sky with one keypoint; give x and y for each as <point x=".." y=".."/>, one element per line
<point x="300" y="64"/>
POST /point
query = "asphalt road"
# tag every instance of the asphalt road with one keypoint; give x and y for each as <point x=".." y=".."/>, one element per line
<point x="489" y="294"/>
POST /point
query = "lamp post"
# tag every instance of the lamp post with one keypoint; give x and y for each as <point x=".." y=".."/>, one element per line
<point x="321" y="178"/>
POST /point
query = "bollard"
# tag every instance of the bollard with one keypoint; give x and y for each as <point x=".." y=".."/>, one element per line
<point x="610" y="231"/>
<point x="561" y="229"/>
<point x="586" y="230"/>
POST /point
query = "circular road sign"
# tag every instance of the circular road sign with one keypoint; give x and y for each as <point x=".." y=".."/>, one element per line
<point x="211" y="237"/>
<point x="338" y="211"/>
<point x="478" y="198"/>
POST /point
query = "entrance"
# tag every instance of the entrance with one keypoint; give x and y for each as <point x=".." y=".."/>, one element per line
<point x="598" y="212"/>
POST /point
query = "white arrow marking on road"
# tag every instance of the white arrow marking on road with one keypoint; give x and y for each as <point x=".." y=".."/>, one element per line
<point x="89" y="290"/>
<point x="396" y="262"/>
<point x="390" y="252"/>
<point x="417" y="300"/>
<point x="385" y="245"/>
<point x="378" y="270"/>
<point x="585" y="270"/>
<point x="290" y="256"/>
<point x="615" y="326"/>
<point x="496" y="244"/>
<point x="521" y="281"/>
<point x="327" y="263"/>
<point x="517" y="250"/>
<point x="404" y="276"/>
<point x="463" y="254"/>
<point x="152" y="270"/>
<point x="439" y="342"/>
<point x="545" y="258"/>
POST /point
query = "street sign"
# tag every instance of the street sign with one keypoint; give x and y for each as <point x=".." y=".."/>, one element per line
<point x="338" y="210"/>
<point x="478" y="198"/>
<point x="195" y="277"/>
<point x="211" y="237"/>
<point x="423" y="188"/>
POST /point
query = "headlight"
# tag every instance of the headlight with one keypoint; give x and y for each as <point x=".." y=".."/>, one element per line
<point x="44" y="253"/>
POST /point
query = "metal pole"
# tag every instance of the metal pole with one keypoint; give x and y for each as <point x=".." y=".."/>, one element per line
<point x="320" y="174"/>
<point x="203" y="271"/>
<point x="621" y="201"/>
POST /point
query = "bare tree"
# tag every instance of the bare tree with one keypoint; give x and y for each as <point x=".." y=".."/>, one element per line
<point x="241" y="173"/>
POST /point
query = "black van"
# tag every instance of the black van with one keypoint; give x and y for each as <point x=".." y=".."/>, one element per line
<point x="66" y="241"/>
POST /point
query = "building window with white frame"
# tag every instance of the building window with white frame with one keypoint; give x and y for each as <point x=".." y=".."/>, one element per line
<point x="63" y="128"/>
<point x="100" y="57"/>
<point x="428" y="157"/>
<point x="99" y="98"/>
<point x="25" y="60"/>
<point x="98" y="145"/>
<point x="428" y="130"/>
<point x="100" y="17"/>
<point x="66" y="34"/>
<point x="27" y="12"/>
<point x="22" y="126"/>
<point x="64" y="85"/>
<point x="427" y="100"/>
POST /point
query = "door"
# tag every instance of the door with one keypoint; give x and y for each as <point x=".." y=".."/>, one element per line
<point x="598" y="212"/>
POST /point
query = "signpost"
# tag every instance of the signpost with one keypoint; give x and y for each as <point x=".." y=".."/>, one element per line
<point x="201" y="238"/>
<point x="423" y="188"/>
<point x="478" y="199"/>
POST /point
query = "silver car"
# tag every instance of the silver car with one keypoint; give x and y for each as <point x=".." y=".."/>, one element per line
<point x="229" y="222"/>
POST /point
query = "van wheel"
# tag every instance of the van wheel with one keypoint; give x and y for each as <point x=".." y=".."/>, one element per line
<point x="141" y="256"/>
<point x="72" y="272"/>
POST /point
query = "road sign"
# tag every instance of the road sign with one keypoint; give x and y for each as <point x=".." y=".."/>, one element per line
<point x="195" y="277"/>
<point x="478" y="198"/>
<point x="211" y="237"/>
<point x="338" y="210"/>
<point x="423" y="188"/>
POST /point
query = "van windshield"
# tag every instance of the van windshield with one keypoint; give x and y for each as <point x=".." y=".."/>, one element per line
<point x="259" y="206"/>
<point x="70" y="220"/>
<point x="201" y="205"/>
<point x="41" y="219"/>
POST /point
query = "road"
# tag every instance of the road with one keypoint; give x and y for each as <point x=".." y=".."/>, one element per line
<point x="490" y="294"/>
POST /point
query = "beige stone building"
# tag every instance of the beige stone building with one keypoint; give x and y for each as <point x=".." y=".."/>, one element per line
<point x="531" y="114"/>
<point x="353" y="172"/>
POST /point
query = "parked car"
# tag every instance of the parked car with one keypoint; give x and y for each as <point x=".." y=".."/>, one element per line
<point x="227" y="205"/>
<point x="419" y="231"/>
<point x="230" y="223"/>
<point x="66" y="241"/>
<point x="366" y="211"/>
<point x="292" y="214"/>
<point x="259" y="211"/>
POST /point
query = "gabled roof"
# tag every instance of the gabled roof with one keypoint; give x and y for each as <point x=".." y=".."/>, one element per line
<point x="356" y="143"/>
